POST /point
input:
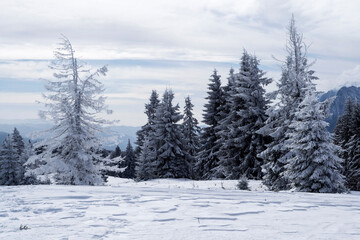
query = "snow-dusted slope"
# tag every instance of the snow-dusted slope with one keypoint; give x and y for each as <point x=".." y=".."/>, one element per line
<point x="175" y="209"/>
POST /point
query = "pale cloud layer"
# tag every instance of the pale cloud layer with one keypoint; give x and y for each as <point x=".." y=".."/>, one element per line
<point x="168" y="44"/>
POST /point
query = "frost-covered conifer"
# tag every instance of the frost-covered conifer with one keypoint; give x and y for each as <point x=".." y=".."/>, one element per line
<point x="314" y="166"/>
<point x="224" y="120"/>
<point x="191" y="132"/>
<point x="240" y="141"/>
<point x="207" y="160"/>
<point x="28" y="152"/>
<point x="112" y="166"/>
<point x="116" y="152"/>
<point x="171" y="154"/>
<point x="129" y="162"/>
<point x="144" y="169"/>
<point x="352" y="173"/>
<point x="20" y="157"/>
<point x="347" y="136"/>
<point x="73" y="101"/>
<point x="144" y="161"/>
<point x="295" y="78"/>
<point x="8" y="163"/>
<point x="150" y="111"/>
<point x="12" y="159"/>
<point x="344" y="130"/>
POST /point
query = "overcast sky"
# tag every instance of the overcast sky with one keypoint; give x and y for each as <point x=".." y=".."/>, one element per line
<point x="167" y="44"/>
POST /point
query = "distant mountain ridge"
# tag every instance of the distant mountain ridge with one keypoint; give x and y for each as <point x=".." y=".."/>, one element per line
<point x="112" y="136"/>
<point x="338" y="105"/>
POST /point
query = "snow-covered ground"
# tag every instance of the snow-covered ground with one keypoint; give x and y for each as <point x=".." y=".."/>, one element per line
<point x="175" y="209"/>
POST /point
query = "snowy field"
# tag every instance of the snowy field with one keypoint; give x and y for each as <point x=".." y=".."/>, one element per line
<point x="175" y="209"/>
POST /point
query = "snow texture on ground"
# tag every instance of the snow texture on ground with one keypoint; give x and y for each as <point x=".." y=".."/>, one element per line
<point x="175" y="209"/>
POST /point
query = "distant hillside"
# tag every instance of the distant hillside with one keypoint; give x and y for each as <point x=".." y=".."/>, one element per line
<point x="114" y="135"/>
<point x="3" y="135"/>
<point x="338" y="105"/>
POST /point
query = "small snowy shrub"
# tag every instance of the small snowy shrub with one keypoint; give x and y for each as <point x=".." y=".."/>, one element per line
<point x="243" y="183"/>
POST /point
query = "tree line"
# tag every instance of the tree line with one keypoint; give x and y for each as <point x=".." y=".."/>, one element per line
<point x="278" y="137"/>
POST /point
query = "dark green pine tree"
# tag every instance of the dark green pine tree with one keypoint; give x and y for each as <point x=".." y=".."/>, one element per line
<point x="130" y="162"/>
<point x="20" y="157"/>
<point x="171" y="158"/>
<point x="344" y="131"/>
<point x="347" y="136"/>
<point x="240" y="141"/>
<point x="191" y="132"/>
<point x="8" y="163"/>
<point x="12" y="159"/>
<point x="144" y="169"/>
<point x="207" y="160"/>
<point x="116" y="153"/>
<point x="222" y="130"/>
<point x="150" y="111"/>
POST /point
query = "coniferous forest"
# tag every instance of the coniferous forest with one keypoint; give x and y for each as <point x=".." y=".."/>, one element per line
<point x="278" y="137"/>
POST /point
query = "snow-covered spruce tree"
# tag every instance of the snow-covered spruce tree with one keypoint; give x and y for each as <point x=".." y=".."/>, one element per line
<point x="352" y="173"/>
<point x="73" y="101"/>
<point x="314" y="166"/>
<point x="12" y="159"/>
<point x="207" y="160"/>
<point x="28" y="152"/>
<point x="241" y="142"/>
<point x="112" y="166"/>
<point x="171" y="158"/>
<point x="224" y="120"/>
<point x="8" y="163"/>
<point x="130" y="162"/>
<point x="144" y="169"/>
<point x="227" y="129"/>
<point x="150" y="111"/>
<point x="191" y="132"/>
<point x="296" y="76"/>
<point x="20" y="157"/>
<point x="344" y="130"/>
<point x="347" y="136"/>
<point x="116" y="153"/>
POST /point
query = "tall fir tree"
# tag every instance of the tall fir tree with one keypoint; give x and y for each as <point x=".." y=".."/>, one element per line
<point x="144" y="160"/>
<point x="314" y="166"/>
<point x="116" y="153"/>
<point x="240" y="141"/>
<point x="296" y="77"/>
<point x="171" y="158"/>
<point x="8" y="163"/>
<point x="347" y="136"/>
<point x="352" y="172"/>
<point x="144" y="169"/>
<point x="150" y="111"/>
<point x="20" y="157"/>
<point x="224" y="120"/>
<point x="74" y="100"/>
<point x="343" y="132"/>
<point x="207" y="160"/>
<point x="191" y="132"/>
<point x="130" y="162"/>
<point x="13" y="155"/>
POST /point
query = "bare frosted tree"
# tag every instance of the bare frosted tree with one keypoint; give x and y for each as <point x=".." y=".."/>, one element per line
<point x="295" y="78"/>
<point x="73" y="101"/>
